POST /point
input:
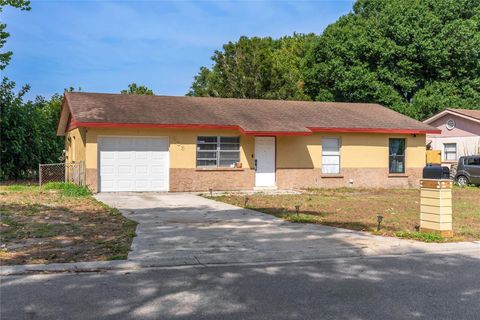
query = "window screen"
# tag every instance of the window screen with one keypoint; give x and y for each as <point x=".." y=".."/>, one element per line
<point x="331" y="155"/>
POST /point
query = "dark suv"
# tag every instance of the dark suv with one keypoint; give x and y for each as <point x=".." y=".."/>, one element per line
<point x="468" y="170"/>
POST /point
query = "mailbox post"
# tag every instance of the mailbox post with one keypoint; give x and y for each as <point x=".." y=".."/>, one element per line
<point x="436" y="206"/>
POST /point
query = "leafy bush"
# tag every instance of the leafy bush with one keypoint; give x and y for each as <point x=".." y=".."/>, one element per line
<point x="68" y="189"/>
<point x="426" y="237"/>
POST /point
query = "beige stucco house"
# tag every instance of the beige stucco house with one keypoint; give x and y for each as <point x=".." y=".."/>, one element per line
<point x="459" y="134"/>
<point x="162" y="143"/>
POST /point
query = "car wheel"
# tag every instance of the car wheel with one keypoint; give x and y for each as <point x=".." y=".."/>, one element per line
<point x="462" y="181"/>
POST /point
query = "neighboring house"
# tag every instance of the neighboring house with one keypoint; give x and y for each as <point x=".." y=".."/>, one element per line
<point x="161" y="143"/>
<point x="459" y="136"/>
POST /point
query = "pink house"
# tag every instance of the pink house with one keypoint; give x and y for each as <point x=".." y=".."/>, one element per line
<point x="460" y="134"/>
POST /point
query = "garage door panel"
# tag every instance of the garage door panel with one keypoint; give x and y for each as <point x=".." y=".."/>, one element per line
<point x="133" y="164"/>
<point x="124" y="170"/>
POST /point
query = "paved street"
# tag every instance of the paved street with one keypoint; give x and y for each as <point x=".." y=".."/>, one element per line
<point x="401" y="287"/>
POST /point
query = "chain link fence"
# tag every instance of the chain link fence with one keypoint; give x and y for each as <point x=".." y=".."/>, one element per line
<point x="62" y="172"/>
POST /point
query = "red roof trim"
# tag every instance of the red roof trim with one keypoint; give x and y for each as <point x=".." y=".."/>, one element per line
<point x="375" y="130"/>
<point x="74" y="124"/>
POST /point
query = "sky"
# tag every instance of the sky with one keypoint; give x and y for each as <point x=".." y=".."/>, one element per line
<point x="102" y="46"/>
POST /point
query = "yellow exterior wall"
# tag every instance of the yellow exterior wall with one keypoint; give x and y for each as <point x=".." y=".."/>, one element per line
<point x="75" y="145"/>
<point x="357" y="150"/>
<point x="182" y="144"/>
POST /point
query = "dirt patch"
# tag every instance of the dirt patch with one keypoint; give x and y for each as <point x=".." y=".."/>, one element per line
<point x="40" y="226"/>
<point x="357" y="209"/>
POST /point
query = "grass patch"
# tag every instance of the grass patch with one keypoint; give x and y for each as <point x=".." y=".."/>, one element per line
<point x="20" y="188"/>
<point x="60" y="223"/>
<point x="415" y="235"/>
<point x="300" y="218"/>
<point x="68" y="189"/>
<point x="357" y="209"/>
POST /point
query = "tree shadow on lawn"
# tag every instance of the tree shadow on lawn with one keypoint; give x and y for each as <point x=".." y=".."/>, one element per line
<point x="402" y="287"/>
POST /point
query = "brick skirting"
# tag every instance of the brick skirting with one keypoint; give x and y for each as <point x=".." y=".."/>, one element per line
<point x="354" y="177"/>
<point x="185" y="180"/>
<point x="202" y="180"/>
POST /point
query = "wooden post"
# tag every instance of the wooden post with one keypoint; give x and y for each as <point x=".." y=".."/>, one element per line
<point x="436" y="206"/>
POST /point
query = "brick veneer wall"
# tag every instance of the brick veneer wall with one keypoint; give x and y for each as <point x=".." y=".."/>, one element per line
<point x="361" y="177"/>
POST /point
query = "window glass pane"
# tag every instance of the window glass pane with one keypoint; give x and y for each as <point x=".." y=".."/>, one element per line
<point x="330" y="168"/>
<point x="330" y="155"/>
<point x="452" y="147"/>
<point x="206" y="163"/>
<point x="473" y="161"/>
<point x="331" y="146"/>
<point x="397" y="164"/>
<point x="207" y="147"/>
<point x="206" y="139"/>
<point x="218" y="151"/>
<point x="207" y="155"/>
<point x="230" y="139"/>
<point x="227" y="164"/>
<point x="397" y="156"/>
<point x="228" y="159"/>
<point x="229" y="146"/>
<point x="397" y="147"/>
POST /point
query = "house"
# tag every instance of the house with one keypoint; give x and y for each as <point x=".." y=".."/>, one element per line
<point x="163" y="143"/>
<point x="459" y="134"/>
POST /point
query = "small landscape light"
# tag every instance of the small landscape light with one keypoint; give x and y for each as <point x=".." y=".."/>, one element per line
<point x="379" y="220"/>
<point x="297" y="209"/>
<point x="211" y="192"/>
<point x="246" y="202"/>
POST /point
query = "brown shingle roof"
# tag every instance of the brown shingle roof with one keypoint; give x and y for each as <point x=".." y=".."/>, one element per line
<point x="250" y="115"/>
<point x="467" y="112"/>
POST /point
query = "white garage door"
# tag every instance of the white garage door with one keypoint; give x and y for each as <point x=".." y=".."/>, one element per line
<point x="133" y="164"/>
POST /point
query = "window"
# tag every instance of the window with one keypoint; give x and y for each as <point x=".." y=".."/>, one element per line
<point x="450" y="151"/>
<point x="473" y="162"/>
<point x="218" y="151"/>
<point x="331" y="155"/>
<point x="396" y="161"/>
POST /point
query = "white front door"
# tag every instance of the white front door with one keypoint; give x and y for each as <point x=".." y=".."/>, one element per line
<point x="133" y="164"/>
<point x="265" y="161"/>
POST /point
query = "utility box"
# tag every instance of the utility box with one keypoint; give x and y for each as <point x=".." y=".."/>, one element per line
<point x="436" y="206"/>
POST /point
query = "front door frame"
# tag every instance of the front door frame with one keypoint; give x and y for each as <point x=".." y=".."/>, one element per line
<point x="274" y="160"/>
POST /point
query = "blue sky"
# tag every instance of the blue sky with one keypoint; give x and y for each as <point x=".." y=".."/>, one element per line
<point x="102" y="46"/>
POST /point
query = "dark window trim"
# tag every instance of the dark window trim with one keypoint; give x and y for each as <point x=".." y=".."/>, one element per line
<point x="390" y="171"/>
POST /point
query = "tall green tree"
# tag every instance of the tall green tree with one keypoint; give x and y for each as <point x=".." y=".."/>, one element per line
<point x="415" y="56"/>
<point x="20" y="4"/>
<point x="263" y="68"/>
<point x="27" y="132"/>
<point x="133" y="88"/>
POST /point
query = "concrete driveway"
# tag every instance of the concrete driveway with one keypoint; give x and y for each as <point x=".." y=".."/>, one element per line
<point x="185" y="228"/>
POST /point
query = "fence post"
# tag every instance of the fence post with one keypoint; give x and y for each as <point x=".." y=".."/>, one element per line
<point x="40" y="175"/>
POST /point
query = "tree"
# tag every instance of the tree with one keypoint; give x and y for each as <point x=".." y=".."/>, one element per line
<point x="255" y="67"/>
<point x="134" y="89"/>
<point x="20" y="4"/>
<point x="27" y="132"/>
<point x="416" y="57"/>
